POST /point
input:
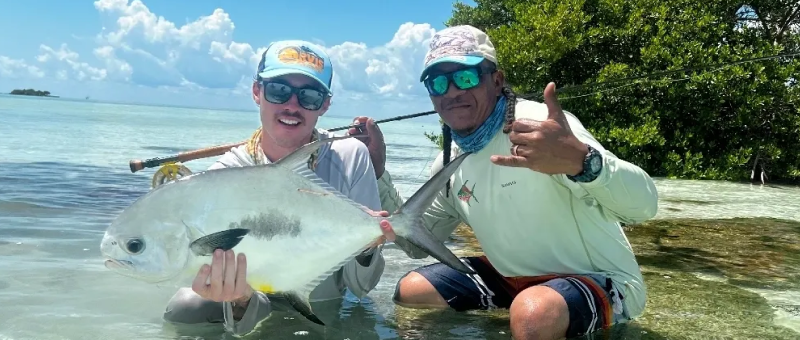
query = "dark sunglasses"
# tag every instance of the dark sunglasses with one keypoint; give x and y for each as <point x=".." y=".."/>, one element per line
<point x="463" y="79"/>
<point x="279" y="93"/>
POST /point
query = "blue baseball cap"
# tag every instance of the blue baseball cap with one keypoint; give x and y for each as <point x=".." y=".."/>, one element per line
<point x="464" y="44"/>
<point x="296" y="57"/>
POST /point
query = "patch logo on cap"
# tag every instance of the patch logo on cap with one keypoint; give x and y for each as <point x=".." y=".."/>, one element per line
<point x="293" y="55"/>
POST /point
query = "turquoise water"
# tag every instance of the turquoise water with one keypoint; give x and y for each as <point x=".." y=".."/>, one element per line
<point x="64" y="176"/>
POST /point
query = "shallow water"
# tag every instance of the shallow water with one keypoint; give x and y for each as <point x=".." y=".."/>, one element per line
<point x="64" y="176"/>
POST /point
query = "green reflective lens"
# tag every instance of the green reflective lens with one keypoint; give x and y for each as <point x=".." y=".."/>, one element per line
<point x="440" y="84"/>
<point x="463" y="79"/>
<point x="466" y="79"/>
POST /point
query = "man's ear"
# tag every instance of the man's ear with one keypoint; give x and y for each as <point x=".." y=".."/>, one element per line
<point x="257" y="93"/>
<point x="499" y="80"/>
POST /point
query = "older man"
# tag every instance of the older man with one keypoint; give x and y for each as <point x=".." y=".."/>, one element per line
<point x="542" y="195"/>
<point x="292" y="90"/>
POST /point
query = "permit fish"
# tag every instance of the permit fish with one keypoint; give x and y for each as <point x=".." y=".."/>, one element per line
<point x="295" y="229"/>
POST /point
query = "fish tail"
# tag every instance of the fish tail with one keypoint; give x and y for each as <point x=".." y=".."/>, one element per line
<point x="409" y="225"/>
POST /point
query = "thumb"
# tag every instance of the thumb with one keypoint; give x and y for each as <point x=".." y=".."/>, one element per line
<point x="554" y="110"/>
<point x="513" y="161"/>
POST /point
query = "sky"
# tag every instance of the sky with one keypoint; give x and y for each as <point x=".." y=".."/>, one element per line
<point x="204" y="53"/>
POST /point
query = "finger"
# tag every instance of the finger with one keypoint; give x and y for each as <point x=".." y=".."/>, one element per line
<point x="373" y="130"/>
<point x="387" y="230"/>
<point x="216" y="275"/>
<point x="241" y="276"/>
<point x="554" y="110"/>
<point x="360" y="120"/>
<point x="199" y="284"/>
<point x="519" y="138"/>
<point x="229" y="284"/>
<point x="520" y="151"/>
<point x="514" y="161"/>
<point x="524" y="125"/>
<point x="383" y="213"/>
<point x="360" y="131"/>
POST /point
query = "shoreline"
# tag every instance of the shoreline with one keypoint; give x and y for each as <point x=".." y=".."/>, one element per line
<point x="32" y="95"/>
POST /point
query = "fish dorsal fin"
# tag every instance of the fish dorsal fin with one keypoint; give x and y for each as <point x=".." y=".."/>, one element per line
<point x="297" y="162"/>
<point x="313" y="178"/>
<point x="300" y="156"/>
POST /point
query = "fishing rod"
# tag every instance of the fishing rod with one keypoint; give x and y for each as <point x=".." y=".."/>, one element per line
<point x="136" y="165"/>
<point x="218" y="150"/>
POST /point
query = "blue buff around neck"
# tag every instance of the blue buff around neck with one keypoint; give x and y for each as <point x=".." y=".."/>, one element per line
<point x="479" y="138"/>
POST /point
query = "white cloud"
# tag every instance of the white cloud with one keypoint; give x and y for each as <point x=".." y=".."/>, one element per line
<point x="18" y="68"/>
<point x="140" y="48"/>
<point x="64" y="63"/>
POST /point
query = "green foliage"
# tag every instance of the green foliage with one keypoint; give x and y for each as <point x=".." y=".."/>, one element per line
<point x="710" y="123"/>
<point x="436" y="137"/>
<point x="30" y="92"/>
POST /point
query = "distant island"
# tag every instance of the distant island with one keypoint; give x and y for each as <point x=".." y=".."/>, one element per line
<point x="32" y="92"/>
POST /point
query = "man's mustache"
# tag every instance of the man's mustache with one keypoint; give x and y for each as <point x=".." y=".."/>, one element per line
<point x="287" y="114"/>
<point x="448" y="103"/>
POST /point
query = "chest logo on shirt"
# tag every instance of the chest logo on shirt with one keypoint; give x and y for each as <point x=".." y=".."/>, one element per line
<point x="465" y="194"/>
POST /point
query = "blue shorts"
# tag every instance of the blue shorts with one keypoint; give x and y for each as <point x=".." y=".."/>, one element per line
<point x="590" y="299"/>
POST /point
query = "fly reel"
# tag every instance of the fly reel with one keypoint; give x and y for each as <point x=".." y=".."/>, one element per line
<point x="168" y="173"/>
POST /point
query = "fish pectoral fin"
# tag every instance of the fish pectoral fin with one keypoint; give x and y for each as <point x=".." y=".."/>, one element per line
<point x="225" y="240"/>
<point x="299" y="301"/>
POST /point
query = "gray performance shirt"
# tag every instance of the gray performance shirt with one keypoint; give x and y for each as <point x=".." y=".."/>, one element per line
<point x="346" y="166"/>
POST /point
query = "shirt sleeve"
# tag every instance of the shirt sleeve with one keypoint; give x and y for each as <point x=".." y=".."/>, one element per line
<point x="188" y="308"/>
<point x="362" y="274"/>
<point x="624" y="191"/>
<point x="258" y="309"/>
<point x="390" y="197"/>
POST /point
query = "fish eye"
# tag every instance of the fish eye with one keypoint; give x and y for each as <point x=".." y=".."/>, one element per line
<point x="134" y="246"/>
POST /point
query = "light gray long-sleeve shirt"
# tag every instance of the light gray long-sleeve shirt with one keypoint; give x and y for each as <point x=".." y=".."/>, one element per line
<point x="346" y="166"/>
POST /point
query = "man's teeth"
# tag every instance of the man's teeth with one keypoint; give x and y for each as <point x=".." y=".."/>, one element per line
<point x="289" y="121"/>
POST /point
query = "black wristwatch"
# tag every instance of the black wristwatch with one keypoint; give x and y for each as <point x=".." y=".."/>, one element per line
<point x="592" y="165"/>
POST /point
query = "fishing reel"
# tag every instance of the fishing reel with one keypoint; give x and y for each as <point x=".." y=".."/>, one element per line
<point x="168" y="173"/>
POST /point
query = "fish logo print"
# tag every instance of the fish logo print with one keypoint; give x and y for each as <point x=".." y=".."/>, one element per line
<point x="465" y="194"/>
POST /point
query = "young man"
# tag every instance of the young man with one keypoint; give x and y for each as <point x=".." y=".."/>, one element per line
<point x="292" y="90"/>
<point x="542" y="195"/>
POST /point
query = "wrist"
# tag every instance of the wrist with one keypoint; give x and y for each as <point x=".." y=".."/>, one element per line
<point x="243" y="300"/>
<point x="577" y="164"/>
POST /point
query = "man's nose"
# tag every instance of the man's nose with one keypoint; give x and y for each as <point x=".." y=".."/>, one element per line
<point x="292" y="105"/>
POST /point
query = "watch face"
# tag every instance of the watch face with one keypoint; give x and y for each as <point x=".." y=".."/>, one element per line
<point x="595" y="164"/>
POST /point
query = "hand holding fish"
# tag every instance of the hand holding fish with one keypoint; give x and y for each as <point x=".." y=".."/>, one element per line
<point x="374" y="142"/>
<point x="386" y="228"/>
<point x="547" y="146"/>
<point x="227" y="279"/>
